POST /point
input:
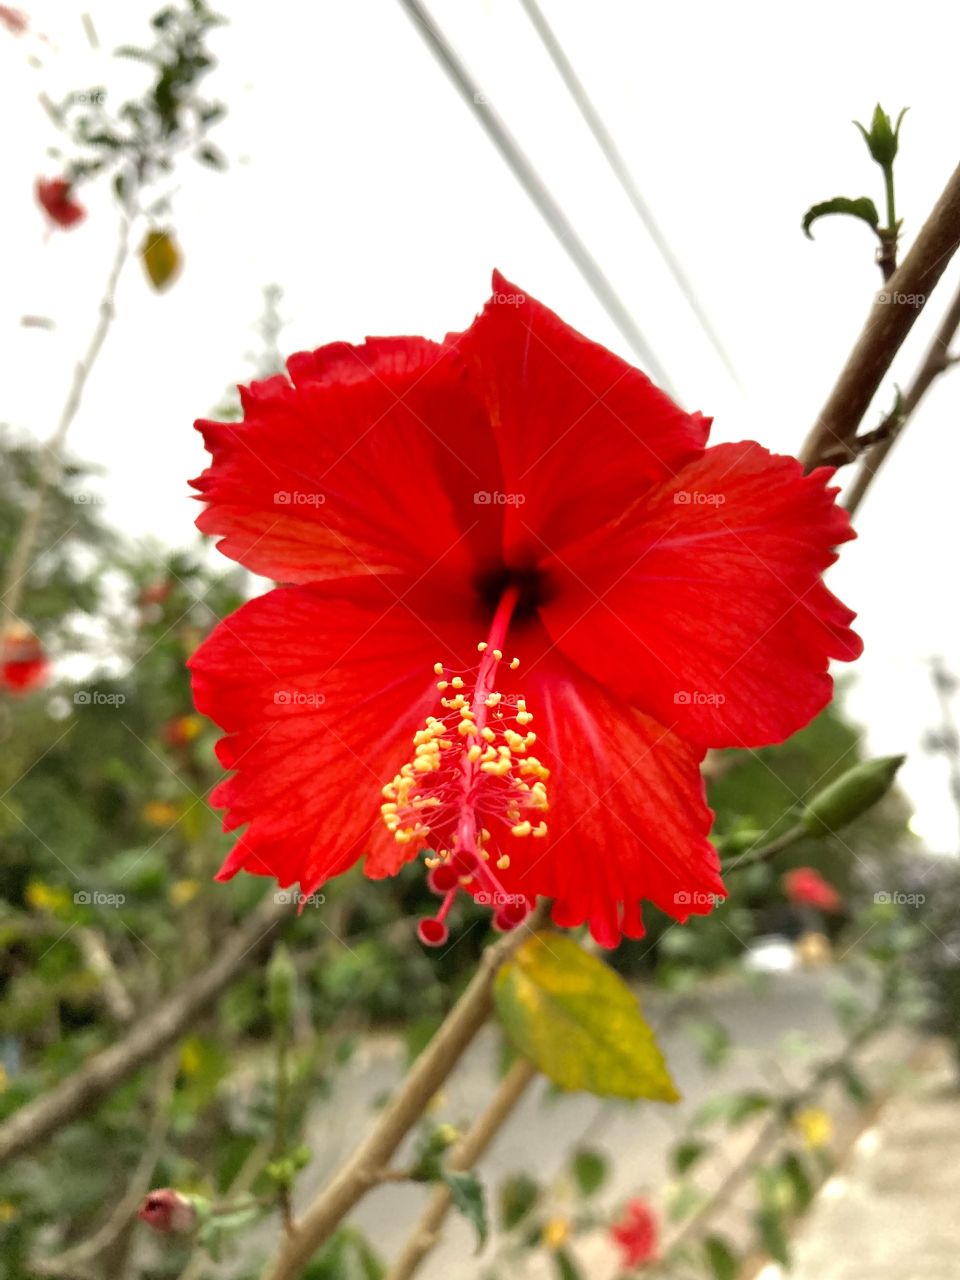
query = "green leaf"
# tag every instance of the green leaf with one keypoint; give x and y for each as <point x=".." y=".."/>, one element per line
<point x="864" y="209"/>
<point x="857" y="1089"/>
<point x="589" y="1170"/>
<point x="466" y="1192"/>
<point x="566" y="1268"/>
<point x="579" y="1022"/>
<point x="517" y="1197"/>
<point x="721" y="1259"/>
<point x="686" y="1155"/>
<point x="733" y="1108"/>
<point x="799" y="1180"/>
<point x="770" y="1226"/>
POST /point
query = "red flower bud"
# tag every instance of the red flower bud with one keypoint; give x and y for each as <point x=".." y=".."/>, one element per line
<point x="168" y="1212"/>
<point x="806" y="887"/>
<point x="23" y="660"/>
<point x="58" y="204"/>
<point x="636" y="1234"/>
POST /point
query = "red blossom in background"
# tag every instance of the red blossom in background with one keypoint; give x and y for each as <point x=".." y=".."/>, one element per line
<point x="168" y="1212"/>
<point x="13" y="19"/>
<point x="54" y="195"/>
<point x="636" y="1234"/>
<point x="806" y="887"/>
<point x="24" y="665"/>
<point x="635" y="595"/>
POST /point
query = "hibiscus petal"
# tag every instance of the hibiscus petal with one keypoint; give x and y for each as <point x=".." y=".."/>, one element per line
<point x="580" y="431"/>
<point x="320" y="690"/>
<point x="368" y="463"/>
<point x="705" y="605"/>
<point x="628" y="818"/>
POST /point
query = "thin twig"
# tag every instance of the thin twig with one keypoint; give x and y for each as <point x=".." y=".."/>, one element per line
<point x="18" y="565"/>
<point x="890" y="320"/>
<point x="426" y="1234"/>
<point x="427" y="1074"/>
<point x="935" y="362"/>
<point x="149" y="1037"/>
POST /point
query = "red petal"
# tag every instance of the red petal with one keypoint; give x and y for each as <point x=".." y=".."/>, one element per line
<point x="628" y="819"/>
<point x="580" y="431"/>
<point x="320" y="693"/>
<point x="705" y="604"/>
<point x="367" y="465"/>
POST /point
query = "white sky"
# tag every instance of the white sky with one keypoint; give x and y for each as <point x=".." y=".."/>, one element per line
<point x="362" y="185"/>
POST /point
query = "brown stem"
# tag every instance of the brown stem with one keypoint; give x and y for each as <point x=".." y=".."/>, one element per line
<point x="425" y="1077"/>
<point x="18" y="565"/>
<point x="149" y="1037"/>
<point x="426" y="1234"/>
<point x="935" y="362"/>
<point x="887" y="326"/>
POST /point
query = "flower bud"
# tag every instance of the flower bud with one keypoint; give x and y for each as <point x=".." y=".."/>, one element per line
<point x="851" y="795"/>
<point x="883" y="136"/>
<point x="168" y="1211"/>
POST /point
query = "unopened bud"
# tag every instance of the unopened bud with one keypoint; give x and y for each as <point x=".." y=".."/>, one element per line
<point x="851" y="795"/>
<point x="168" y="1211"/>
<point x="883" y="136"/>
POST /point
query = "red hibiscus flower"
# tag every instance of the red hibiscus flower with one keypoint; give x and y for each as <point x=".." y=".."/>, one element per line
<point x="806" y="887"/>
<point x="636" y="1234"/>
<point x="168" y="1212"/>
<point x="24" y="665"/>
<point x="54" y="194"/>
<point x="526" y="510"/>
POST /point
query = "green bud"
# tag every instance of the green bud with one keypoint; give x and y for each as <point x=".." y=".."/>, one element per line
<point x="735" y="842"/>
<point x="281" y="988"/>
<point x="851" y="795"/>
<point x="883" y="136"/>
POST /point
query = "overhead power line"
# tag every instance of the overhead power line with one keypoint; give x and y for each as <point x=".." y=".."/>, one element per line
<point x="623" y="175"/>
<point x="536" y="189"/>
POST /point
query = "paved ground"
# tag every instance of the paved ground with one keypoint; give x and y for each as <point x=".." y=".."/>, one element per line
<point x="893" y="1213"/>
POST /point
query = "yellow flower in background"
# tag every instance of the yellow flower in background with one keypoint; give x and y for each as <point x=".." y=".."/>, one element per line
<point x="184" y="891"/>
<point x="191" y="1058"/>
<point x="556" y="1233"/>
<point x="46" y="897"/>
<point x="8" y="1211"/>
<point x="160" y="813"/>
<point x="814" y="1126"/>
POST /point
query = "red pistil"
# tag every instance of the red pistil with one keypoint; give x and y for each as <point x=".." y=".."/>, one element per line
<point x="471" y="766"/>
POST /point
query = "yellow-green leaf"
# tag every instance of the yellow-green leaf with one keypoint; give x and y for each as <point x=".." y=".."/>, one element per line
<point x="579" y="1022"/>
<point x="161" y="258"/>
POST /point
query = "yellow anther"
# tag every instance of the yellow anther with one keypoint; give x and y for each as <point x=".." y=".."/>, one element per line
<point x="498" y="767"/>
<point x="457" y="682"/>
<point x="493" y="699"/>
<point x="487" y="734"/>
<point x="484" y="835"/>
<point x="524" y="717"/>
<point x="481" y="647"/>
<point x="466" y="726"/>
<point x="425" y="764"/>
<point x="503" y="862"/>
<point x="514" y="663"/>
<point x="498" y="654"/>
<point x="475" y="752"/>
<point x="522" y="828"/>
<point x="388" y="807"/>
<point x="443" y="684"/>
<point x="540" y="830"/>
<point x="438" y="668"/>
